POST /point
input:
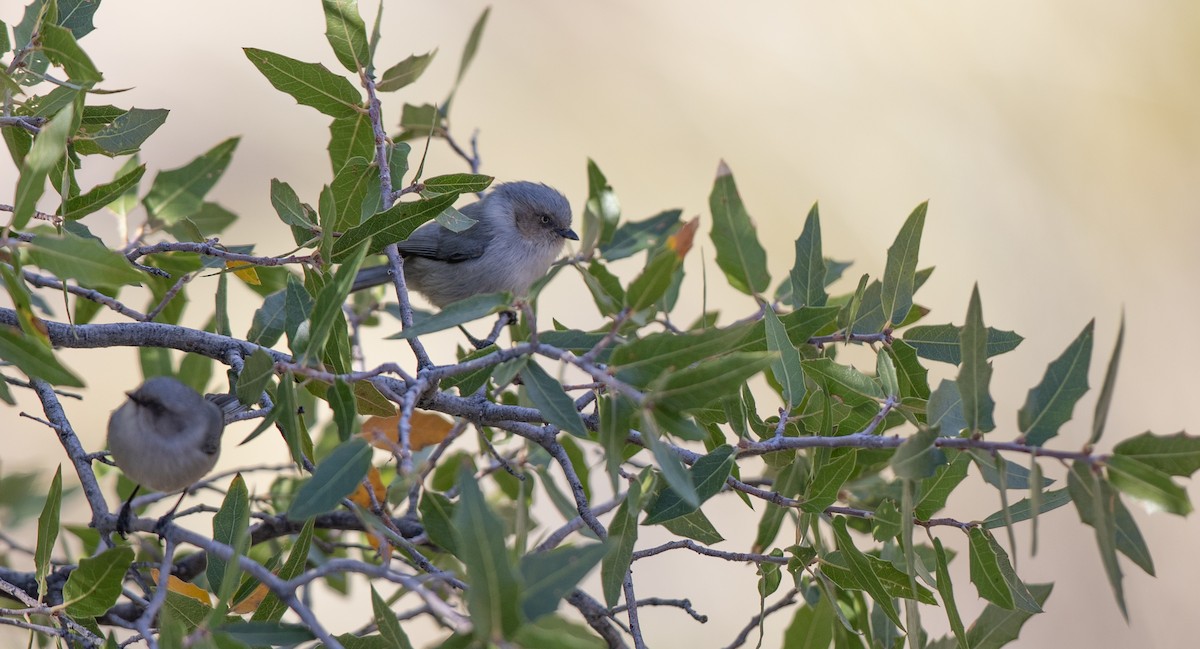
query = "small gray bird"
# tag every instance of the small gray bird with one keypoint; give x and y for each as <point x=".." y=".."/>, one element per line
<point x="520" y="231"/>
<point x="166" y="437"/>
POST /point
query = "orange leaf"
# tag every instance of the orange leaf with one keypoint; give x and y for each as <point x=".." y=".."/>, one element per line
<point x="246" y="273"/>
<point x="252" y="601"/>
<point x="681" y="241"/>
<point x="177" y="585"/>
<point x="428" y="429"/>
<point x="360" y="496"/>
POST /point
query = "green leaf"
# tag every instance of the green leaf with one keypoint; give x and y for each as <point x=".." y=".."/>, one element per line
<point x="669" y="464"/>
<point x="600" y="213"/>
<point x="310" y="84"/>
<point x="391" y="226"/>
<point x="900" y="274"/>
<point x="229" y="527"/>
<point x="47" y="530"/>
<point x="808" y="274"/>
<point x="47" y="149"/>
<point x="1148" y="484"/>
<point x="336" y="477"/>
<point x="327" y="311"/>
<point x="1177" y="454"/>
<point x="942" y="342"/>
<point x="350" y="136"/>
<point x="633" y="237"/>
<point x="696" y="526"/>
<point x="917" y="458"/>
<point x="913" y="377"/>
<point x="606" y="289"/>
<point x="946" y="590"/>
<point x="708" y="476"/>
<point x="697" y="386"/>
<point x="389" y="625"/>
<point x="640" y="361"/>
<point x="548" y="576"/>
<point x="437" y="517"/>
<point x="345" y="408"/>
<point x="75" y="15"/>
<point x="179" y="193"/>
<point x="860" y="567"/>
<point x="993" y="575"/>
<point x="268" y="634"/>
<point x="975" y="372"/>
<point x="1106" y="392"/>
<point x="125" y="134"/>
<point x="288" y="206"/>
<point x="60" y="46"/>
<point x="349" y="188"/>
<point x="34" y="358"/>
<point x="95" y="585"/>
<point x="653" y="282"/>
<point x="997" y="627"/>
<point x="347" y="34"/>
<point x="622" y="536"/>
<point x="828" y="476"/>
<point x="259" y="369"/>
<point x="404" y="72"/>
<point x="1050" y="405"/>
<point x="272" y="609"/>
<point x="885" y="370"/>
<point x="458" y="183"/>
<point x="97" y="197"/>
<point x="786" y="362"/>
<point x="551" y="400"/>
<point x="457" y="313"/>
<point x="812" y="626"/>
<point x="84" y="260"/>
<point x="937" y="489"/>
<point x="843" y="381"/>
<point x="739" y="254"/>
<point x="269" y="320"/>
<point x="468" y="56"/>
<point x="493" y="598"/>
<point x="185" y="614"/>
<point x="1024" y="510"/>
<point x="895" y="582"/>
<point x="944" y="409"/>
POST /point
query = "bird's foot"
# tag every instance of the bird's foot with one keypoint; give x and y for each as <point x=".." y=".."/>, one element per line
<point x="125" y="520"/>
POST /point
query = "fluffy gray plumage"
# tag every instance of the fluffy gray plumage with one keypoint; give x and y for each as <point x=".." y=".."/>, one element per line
<point x="166" y="436"/>
<point x="520" y="231"/>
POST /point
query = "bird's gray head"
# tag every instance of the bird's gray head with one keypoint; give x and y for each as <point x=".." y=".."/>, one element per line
<point x="540" y="212"/>
<point x="163" y="394"/>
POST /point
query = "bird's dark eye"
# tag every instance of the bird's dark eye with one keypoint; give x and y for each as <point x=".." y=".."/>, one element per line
<point x="545" y="219"/>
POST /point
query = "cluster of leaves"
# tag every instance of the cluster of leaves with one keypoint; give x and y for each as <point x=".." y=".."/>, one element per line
<point x="853" y="461"/>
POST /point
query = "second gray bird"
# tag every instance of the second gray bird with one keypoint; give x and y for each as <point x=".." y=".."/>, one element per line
<point x="521" y="228"/>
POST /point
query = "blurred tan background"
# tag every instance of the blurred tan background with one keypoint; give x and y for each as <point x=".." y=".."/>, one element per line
<point x="1058" y="144"/>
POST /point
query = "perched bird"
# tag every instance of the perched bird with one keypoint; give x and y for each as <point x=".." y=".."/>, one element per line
<point x="520" y="231"/>
<point x="166" y="437"/>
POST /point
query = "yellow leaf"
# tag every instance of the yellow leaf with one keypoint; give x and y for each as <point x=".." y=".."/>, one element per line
<point x="428" y="429"/>
<point x="246" y="273"/>
<point x="177" y="585"/>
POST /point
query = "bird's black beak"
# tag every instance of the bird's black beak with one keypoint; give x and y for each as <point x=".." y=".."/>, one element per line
<point x="567" y="233"/>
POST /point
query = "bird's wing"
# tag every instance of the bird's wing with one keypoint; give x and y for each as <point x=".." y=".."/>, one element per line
<point x="432" y="241"/>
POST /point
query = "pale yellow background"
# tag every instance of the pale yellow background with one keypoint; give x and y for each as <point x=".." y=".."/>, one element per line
<point x="1058" y="144"/>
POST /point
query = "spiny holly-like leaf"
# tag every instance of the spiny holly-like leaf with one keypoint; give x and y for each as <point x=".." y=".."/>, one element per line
<point x="1110" y="382"/>
<point x="97" y="197"/>
<point x="310" y="84"/>
<point x="993" y="575"/>
<point x="942" y="342"/>
<point x="739" y="254"/>
<point x="1148" y="484"/>
<point x="708" y="476"/>
<point x="1177" y="454"/>
<point x="786" y="364"/>
<point x="347" y="34"/>
<point x="1049" y="405"/>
